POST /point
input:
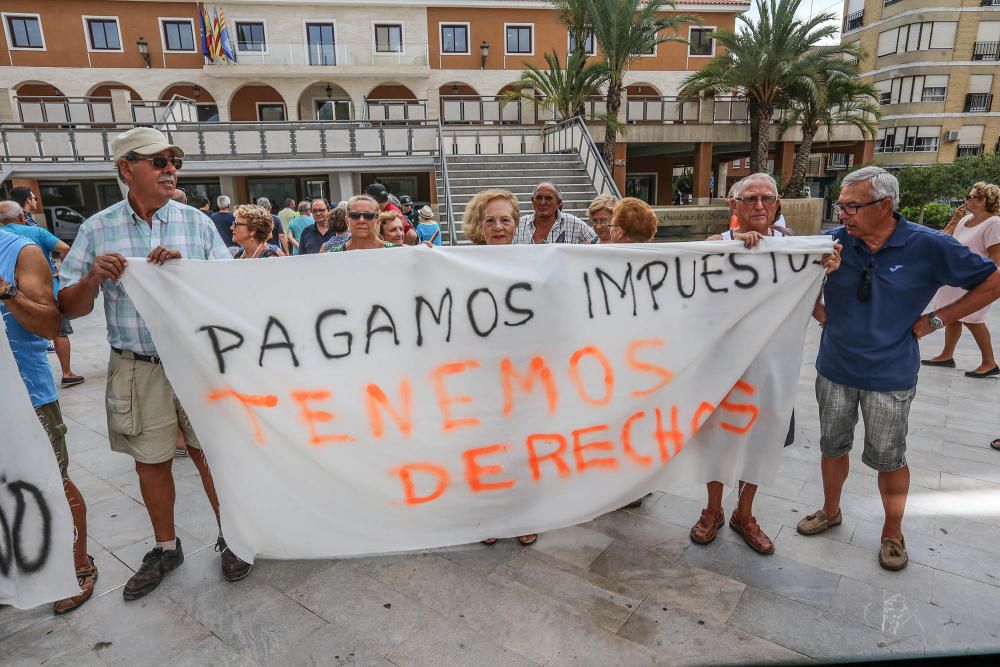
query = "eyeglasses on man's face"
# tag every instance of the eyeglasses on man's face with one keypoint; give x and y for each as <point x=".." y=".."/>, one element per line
<point x="851" y="209"/>
<point x="751" y="200"/>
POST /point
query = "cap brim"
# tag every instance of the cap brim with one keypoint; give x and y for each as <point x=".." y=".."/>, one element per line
<point x="159" y="147"/>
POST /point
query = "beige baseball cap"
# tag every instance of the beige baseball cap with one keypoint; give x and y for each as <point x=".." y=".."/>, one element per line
<point x="144" y="141"/>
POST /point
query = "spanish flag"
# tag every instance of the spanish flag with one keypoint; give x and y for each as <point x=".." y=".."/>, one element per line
<point x="206" y="32"/>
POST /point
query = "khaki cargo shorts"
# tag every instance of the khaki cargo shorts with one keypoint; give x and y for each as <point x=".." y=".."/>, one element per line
<point x="52" y="421"/>
<point x="143" y="412"/>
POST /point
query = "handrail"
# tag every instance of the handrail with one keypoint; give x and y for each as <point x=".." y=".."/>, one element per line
<point x="586" y="149"/>
<point x="449" y="211"/>
<point x="43" y="102"/>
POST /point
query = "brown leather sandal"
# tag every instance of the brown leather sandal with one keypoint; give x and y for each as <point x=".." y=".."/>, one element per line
<point x="527" y="540"/>
<point x="752" y="534"/>
<point x="708" y="526"/>
<point x="87" y="578"/>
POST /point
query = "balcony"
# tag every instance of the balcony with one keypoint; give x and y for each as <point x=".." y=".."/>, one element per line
<point x="989" y="3"/>
<point x="658" y="109"/>
<point x="978" y="102"/>
<point x="401" y="109"/>
<point x="731" y="110"/>
<point x="970" y="149"/>
<point x="338" y="54"/>
<point x="475" y="109"/>
<point x="986" y="51"/>
<point x="837" y="161"/>
<point x="854" y="20"/>
<point x="100" y="111"/>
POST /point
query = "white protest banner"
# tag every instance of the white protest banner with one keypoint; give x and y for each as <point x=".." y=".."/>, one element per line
<point x="387" y="400"/>
<point x="36" y="528"/>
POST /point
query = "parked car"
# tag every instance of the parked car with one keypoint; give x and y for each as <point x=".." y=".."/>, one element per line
<point x="64" y="222"/>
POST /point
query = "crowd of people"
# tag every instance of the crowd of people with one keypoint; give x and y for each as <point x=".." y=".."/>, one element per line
<point x="884" y="272"/>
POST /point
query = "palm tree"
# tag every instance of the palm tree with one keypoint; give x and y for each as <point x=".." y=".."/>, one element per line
<point x="625" y="30"/>
<point x="767" y="60"/>
<point x="838" y="99"/>
<point x="574" y="16"/>
<point x="564" y="91"/>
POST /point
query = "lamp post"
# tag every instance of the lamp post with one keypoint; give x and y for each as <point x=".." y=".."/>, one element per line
<point x="144" y="51"/>
<point x="196" y="91"/>
<point x="484" y="50"/>
<point x="329" y="91"/>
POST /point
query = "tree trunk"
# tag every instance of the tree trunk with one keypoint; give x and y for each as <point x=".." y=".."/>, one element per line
<point x="794" y="184"/>
<point x="760" y="139"/>
<point x="614" y="101"/>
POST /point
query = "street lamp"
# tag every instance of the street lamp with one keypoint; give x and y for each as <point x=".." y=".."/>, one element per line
<point x="196" y="91"/>
<point x="484" y="50"/>
<point x="144" y="50"/>
<point x="329" y="91"/>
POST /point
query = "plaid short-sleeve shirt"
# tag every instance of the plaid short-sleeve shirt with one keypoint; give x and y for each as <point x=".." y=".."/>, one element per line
<point x="119" y="229"/>
<point x="567" y="229"/>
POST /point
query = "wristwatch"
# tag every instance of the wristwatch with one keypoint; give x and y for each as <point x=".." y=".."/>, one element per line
<point x="8" y="292"/>
<point x="935" y="321"/>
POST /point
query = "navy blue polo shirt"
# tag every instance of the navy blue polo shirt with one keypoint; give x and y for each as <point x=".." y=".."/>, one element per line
<point x="870" y="345"/>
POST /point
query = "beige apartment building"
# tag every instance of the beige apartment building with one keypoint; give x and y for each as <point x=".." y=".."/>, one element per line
<point x="934" y="63"/>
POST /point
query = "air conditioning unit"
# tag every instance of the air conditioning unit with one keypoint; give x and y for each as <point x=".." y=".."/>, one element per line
<point x="951" y="135"/>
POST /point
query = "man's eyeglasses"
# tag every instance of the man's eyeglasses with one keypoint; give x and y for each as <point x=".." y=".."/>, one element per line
<point x="751" y="200"/>
<point x="357" y="215"/>
<point x="851" y="209"/>
<point x="865" y="286"/>
<point x="161" y="162"/>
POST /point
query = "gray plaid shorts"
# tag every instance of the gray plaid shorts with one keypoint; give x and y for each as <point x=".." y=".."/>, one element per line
<point x="885" y="412"/>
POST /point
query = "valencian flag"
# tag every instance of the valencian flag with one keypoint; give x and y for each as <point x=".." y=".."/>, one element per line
<point x="206" y="33"/>
<point x="216" y="37"/>
<point x="227" y="45"/>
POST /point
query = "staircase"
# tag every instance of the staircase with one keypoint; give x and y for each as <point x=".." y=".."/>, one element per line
<point x="519" y="173"/>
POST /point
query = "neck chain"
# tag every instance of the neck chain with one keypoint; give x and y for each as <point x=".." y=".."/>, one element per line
<point x="256" y="252"/>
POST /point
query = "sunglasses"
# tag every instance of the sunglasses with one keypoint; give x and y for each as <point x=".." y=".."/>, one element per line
<point x="865" y="286"/>
<point x="357" y="215"/>
<point x="161" y="162"/>
<point x="968" y="197"/>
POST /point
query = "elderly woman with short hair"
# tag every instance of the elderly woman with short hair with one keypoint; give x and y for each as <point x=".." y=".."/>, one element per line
<point x="599" y="216"/>
<point x="391" y="228"/>
<point x="252" y="227"/>
<point x="976" y="225"/>
<point x="491" y="218"/>
<point x="633" y="221"/>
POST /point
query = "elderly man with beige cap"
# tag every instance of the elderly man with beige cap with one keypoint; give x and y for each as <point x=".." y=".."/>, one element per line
<point x="143" y="412"/>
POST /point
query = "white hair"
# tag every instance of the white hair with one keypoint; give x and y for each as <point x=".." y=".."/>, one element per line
<point x="883" y="184"/>
<point x="760" y="176"/>
<point x="264" y="202"/>
<point x="222" y="201"/>
<point x="10" y="212"/>
<point x="736" y="189"/>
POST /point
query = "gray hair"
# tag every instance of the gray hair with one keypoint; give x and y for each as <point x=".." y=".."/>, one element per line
<point x="264" y="202"/>
<point x="883" y="184"/>
<point x="222" y="201"/>
<point x="304" y="206"/>
<point x="737" y="188"/>
<point x="179" y="196"/>
<point x="547" y="184"/>
<point x="760" y="176"/>
<point x="10" y="212"/>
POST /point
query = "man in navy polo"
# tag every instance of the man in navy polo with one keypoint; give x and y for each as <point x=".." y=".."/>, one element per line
<point x="868" y="354"/>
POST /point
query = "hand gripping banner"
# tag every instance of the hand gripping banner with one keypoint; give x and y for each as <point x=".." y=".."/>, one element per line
<point x="36" y="529"/>
<point x="398" y="399"/>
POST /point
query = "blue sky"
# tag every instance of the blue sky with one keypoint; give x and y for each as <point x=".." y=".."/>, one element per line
<point x="809" y="8"/>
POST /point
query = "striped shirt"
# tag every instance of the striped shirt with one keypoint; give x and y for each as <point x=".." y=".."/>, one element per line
<point x="119" y="229"/>
<point x="567" y="229"/>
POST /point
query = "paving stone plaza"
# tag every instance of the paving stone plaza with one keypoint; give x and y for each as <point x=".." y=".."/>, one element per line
<point x="628" y="588"/>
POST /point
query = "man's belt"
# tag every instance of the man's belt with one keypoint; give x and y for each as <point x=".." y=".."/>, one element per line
<point x="128" y="354"/>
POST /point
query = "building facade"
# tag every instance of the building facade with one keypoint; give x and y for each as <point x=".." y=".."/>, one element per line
<point x="934" y="63"/>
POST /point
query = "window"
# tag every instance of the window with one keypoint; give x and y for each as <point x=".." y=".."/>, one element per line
<point x="455" y="38"/>
<point x="907" y="89"/>
<point x="270" y="111"/>
<point x="736" y="164"/>
<point x="519" y="40"/>
<point x="333" y="109"/>
<point x="322" y="44"/>
<point x="388" y="38"/>
<point x="24" y="31"/>
<point x="908" y="139"/>
<point x="700" y="42"/>
<point x="917" y="37"/>
<point x="251" y="36"/>
<point x="933" y="94"/>
<point x="588" y="44"/>
<point x="178" y="35"/>
<point x="102" y="33"/>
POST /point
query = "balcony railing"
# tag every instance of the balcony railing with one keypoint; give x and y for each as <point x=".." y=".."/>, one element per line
<point x="854" y="20"/>
<point x="401" y="109"/>
<point x="661" y="109"/>
<point x="986" y="51"/>
<point x="730" y="110"/>
<point x="154" y="112"/>
<point x="970" y="149"/>
<point x="594" y="105"/>
<point x="474" y="109"/>
<point x="328" y="54"/>
<point x="837" y="161"/>
<point x="978" y="102"/>
<point x="65" y="109"/>
<point x="227" y="141"/>
<point x="989" y="3"/>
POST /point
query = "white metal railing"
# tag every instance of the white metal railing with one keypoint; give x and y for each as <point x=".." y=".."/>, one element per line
<point x="222" y="141"/>
<point x="481" y="109"/>
<point x="401" y="109"/>
<point x="493" y="140"/>
<point x="177" y="109"/>
<point x="661" y="109"/>
<point x="593" y="106"/>
<point x="328" y="54"/>
<point x="65" y="109"/>
<point x="449" y="218"/>
<point x="572" y="136"/>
